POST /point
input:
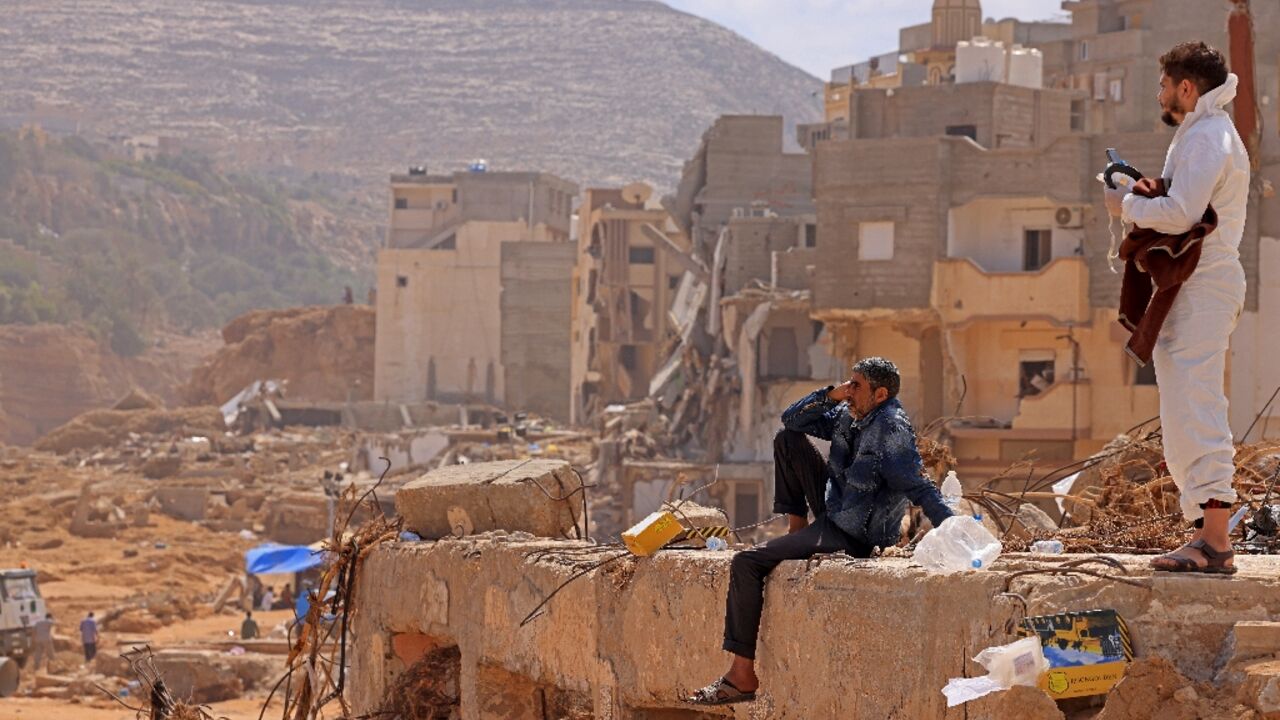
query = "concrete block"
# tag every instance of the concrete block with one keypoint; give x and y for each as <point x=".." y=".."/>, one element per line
<point x="183" y="503"/>
<point x="1257" y="637"/>
<point x="502" y="495"/>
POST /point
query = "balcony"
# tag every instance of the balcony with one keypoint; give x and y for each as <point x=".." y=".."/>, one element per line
<point x="1059" y="292"/>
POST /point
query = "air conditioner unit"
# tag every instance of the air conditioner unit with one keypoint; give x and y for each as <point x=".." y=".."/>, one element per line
<point x="1069" y="217"/>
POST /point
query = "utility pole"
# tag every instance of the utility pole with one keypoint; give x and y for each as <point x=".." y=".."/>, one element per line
<point x="1248" y="120"/>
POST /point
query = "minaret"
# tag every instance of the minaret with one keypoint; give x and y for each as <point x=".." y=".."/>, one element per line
<point x="955" y="20"/>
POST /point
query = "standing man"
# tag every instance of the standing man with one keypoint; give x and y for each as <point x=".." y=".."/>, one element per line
<point x="42" y="650"/>
<point x="1207" y="164"/>
<point x="858" y="498"/>
<point x="268" y="599"/>
<point x="89" y="637"/>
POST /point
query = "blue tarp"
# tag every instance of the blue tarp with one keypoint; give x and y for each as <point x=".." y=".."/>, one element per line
<point x="271" y="559"/>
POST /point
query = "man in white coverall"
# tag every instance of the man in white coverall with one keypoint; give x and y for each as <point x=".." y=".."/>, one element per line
<point x="1206" y="165"/>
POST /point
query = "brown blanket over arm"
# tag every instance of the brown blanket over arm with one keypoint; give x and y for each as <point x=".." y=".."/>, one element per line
<point x="1155" y="259"/>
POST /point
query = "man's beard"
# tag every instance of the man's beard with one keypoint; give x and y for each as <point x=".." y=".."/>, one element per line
<point x="1167" y="118"/>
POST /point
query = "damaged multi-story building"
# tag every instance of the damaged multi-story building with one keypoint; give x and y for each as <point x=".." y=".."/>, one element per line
<point x="961" y="232"/>
<point x="444" y="331"/>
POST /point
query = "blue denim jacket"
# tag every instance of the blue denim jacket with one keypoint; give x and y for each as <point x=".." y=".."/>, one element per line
<point x="874" y="469"/>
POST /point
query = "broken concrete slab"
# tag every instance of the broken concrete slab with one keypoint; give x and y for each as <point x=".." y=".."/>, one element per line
<point x="534" y="496"/>
<point x="183" y="503"/>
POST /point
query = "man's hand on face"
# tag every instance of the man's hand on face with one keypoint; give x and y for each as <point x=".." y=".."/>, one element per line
<point x="842" y="392"/>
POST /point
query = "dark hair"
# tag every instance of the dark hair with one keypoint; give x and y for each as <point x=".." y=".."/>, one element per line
<point x="248" y="613"/>
<point x="880" y="373"/>
<point x="1202" y="65"/>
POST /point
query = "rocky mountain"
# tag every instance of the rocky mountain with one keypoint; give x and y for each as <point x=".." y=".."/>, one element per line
<point x="599" y="91"/>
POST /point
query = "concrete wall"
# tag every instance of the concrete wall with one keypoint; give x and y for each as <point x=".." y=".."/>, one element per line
<point x="1002" y="115"/>
<point x="536" y="297"/>
<point x="440" y="309"/>
<point x="740" y="161"/>
<point x="990" y="231"/>
<point x="843" y="638"/>
<point x="752" y="242"/>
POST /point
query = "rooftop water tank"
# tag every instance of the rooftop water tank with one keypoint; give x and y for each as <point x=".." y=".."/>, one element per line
<point x="980" y="60"/>
<point x="1026" y="67"/>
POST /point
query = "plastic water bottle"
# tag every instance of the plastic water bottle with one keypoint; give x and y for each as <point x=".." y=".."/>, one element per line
<point x="1047" y="547"/>
<point x="717" y="543"/>
<point x="960" y="543"/>
<point x="952" y="492"/>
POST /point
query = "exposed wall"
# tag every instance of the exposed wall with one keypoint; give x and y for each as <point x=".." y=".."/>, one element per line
<point x="535" y="307"/>
<point x="439" y="317"/>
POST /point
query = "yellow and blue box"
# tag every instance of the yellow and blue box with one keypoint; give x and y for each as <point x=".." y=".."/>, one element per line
<point x="1088" y="651"/>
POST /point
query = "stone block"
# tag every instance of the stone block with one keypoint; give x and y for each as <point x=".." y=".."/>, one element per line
<point x="183" y="503"/>
<point x="501" y="495"/>
<point x="1257" y="637"/>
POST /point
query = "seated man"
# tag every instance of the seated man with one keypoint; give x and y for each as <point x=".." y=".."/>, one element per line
<point x="858" y="500"/>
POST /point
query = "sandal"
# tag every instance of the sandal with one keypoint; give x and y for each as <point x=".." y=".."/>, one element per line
<point x="720" y="692"/>
<point x="1215" y="560"/>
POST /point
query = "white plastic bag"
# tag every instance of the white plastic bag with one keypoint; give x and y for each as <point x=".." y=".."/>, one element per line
<point x="1018" y="663"/>
<point x="960" y="543"/>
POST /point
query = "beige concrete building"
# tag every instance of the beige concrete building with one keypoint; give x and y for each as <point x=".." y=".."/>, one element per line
<point x="441" y="330"/>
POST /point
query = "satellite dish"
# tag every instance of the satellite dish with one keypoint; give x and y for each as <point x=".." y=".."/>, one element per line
<point x="637" y="193"/>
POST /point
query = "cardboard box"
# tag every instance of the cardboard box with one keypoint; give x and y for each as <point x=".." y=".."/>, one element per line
<point x="1087" y="651"/>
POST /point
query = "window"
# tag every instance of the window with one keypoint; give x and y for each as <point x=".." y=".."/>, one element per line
<point x="1037" y="249"/>
<point x="811" y="235"/>
<point x="1145" y="375"/>
<point x="1077" y="115"/>
<point x="639" y="255"/>
<point x="875" y="241"/>
<point x="441" y="205"/>
<point x="1100" y="86"/>
<point x="1084" y="50"/>
<point x="402" y="281"/>
<point x="969" y="131"/>
<point x="1034" y="377"/>
<point x="402" y="203"/>
<point x="1116" y="90"/>
<point x="627" y="356"/>
<point x="455" y="196"/>
<point x="673" y="282"/>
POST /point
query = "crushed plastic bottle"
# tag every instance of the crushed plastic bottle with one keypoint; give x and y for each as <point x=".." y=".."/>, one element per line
<point x="717" y="543"/>
<point x="952" y="491"/>
<point x="959" y="544"/>
<point x="1047" y="547"/>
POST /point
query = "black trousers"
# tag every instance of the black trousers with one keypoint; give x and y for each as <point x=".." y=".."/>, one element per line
<point x="800" y="481"/>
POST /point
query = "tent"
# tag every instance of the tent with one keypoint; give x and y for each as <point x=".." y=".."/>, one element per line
<point x="273" y="559"/>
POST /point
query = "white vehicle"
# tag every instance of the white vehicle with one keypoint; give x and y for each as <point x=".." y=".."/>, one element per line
<point x="20" y="607"/>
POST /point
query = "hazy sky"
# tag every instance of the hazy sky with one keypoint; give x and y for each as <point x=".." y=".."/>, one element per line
<point x="819" y="35"/>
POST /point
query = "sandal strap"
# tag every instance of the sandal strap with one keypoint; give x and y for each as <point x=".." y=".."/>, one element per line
<point x="1210" y="554"/>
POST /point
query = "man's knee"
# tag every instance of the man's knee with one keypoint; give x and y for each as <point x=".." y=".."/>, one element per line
<point x="747" y="562"/>
<point x="784" y="440"/>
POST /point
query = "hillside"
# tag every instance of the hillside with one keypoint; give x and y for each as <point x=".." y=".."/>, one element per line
<point x="599" y="91"/>
<point x="128" y="247"/>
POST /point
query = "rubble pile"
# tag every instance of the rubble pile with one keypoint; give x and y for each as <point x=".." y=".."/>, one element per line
<point x="1124" y="500"/>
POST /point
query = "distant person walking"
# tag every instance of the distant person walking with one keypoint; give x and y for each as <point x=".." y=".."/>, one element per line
<point x="43" y="645"/>
<point x="248" y="628"/>
<point x="89" y="637"/>
<point x="268" y="599"/>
